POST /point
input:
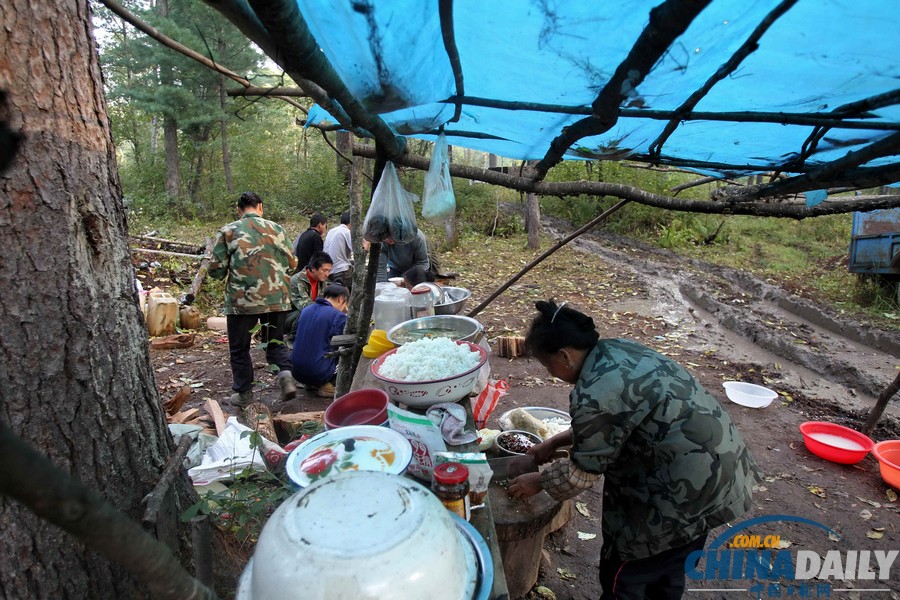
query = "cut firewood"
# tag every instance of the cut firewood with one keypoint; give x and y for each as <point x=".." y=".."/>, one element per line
<point x="169" y="342"/>
<point x="174" y="404"/>
<point x="201" y="273"/>
<point x="185" y="416"/>
<point x="215" y="411"/>
<point x="288" y="426"/>
<point x="511" y="346"/>
<point x="300" y="417"/>
<point x="258" y="417"/>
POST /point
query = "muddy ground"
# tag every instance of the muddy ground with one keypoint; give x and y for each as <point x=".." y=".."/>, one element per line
<point x="723" y="325"/>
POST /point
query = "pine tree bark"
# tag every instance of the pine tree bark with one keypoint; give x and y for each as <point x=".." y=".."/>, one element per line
<point x="75" y="375"/>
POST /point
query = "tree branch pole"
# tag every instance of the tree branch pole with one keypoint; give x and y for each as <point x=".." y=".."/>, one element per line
<point x="746" y="49"/>
<point x="168" y="42"/>
<point x="880" y="405"/>
<point x="667" y="22"/>
<point x="829" y="119"/>
<point x="201" y="272"/>
<point x="56" y="496"/>
<point x="166" y="253"/>
<point x="156" y="496"/>
<point x="597" y="220"/>
<point x="599" y="188"/>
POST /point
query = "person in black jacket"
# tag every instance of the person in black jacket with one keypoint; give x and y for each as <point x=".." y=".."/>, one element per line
<point x="311" y="240"/>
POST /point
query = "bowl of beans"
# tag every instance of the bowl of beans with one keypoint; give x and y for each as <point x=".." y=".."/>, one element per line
<point x="515" y="442"/>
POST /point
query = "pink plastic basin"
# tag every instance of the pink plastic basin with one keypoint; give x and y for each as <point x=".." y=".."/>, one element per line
<point x="835" y="442"/>
<point x="888" y="455"/>
<point x="366" y="406"/>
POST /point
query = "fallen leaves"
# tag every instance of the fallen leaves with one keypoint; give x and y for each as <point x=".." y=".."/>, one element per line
<point x="891" y="495"/>
<point x="876" y="533"/>
<point x="566" y="574"/>
<point x="814" y="489"/>
<point x="869" y="502"/>
<point x="586" y="536"/>
<point x="582" y="508"/>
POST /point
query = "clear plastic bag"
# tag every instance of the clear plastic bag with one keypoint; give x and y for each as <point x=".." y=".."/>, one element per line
<point x="438" y="200"/>
<point x="391" y="214"/>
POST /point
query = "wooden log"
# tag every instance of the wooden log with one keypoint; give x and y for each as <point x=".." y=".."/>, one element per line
<point x="318" y="415"/>
<point x="189" y="317"/>
<point x="159" y="240"/>
<point x="201" y="274"/>
<point x="521" y="527"/>
<point x="511" y="346"/>
<point x="258" y="418"/>
<point x="174" y="404"/>
<point x="166" y="253"/>
<point x="185" y="416"/>
<point x="288" y="426"/>
<point x="215" y="411"/>
<point x="170" y="342"/>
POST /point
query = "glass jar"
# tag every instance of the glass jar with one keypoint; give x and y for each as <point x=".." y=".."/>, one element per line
<point x="391" y="308"/>
<point x="421" y="301"/>
<point x="450" y="483"/>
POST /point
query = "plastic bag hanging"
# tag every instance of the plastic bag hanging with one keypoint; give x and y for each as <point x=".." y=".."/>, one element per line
<point x="391" y="214"/>
<point x="438" y="200"/>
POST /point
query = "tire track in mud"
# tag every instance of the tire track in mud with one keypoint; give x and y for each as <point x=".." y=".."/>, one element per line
<point x="817" y="343"/>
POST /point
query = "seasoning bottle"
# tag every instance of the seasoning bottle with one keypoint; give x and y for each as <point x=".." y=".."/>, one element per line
<point x="421" y="301"/>
<point x="450" y="483"/>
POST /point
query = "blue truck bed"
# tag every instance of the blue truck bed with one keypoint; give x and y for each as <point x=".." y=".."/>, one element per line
<point x="875" y="242"/>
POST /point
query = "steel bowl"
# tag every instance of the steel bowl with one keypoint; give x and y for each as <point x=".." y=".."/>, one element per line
<point x="455" y="299"/>
<point x="422" y="394"/>
<point x="503" y="436"/>
<point x="454" y="327"/>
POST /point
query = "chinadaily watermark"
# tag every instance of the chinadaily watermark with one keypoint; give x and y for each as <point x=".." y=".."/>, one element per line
<point x="752" y="557"/>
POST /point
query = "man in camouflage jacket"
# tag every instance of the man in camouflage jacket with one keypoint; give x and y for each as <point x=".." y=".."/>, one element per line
<point x="674" y="464"/>
<point x="254" y="257"/>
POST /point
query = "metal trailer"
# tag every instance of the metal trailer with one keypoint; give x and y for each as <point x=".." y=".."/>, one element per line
<point x="875" y="244"/>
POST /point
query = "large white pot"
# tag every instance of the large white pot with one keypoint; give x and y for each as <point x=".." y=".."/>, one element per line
<point x="361" y="536"/>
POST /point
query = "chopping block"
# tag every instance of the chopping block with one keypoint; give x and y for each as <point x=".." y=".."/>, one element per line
<point x="521" y="528"/>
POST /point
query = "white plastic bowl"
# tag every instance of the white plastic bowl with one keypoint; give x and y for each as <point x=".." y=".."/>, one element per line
<point x="422" y="394"/>
<point x="749" y="394"/>
<point x="361" y="534"/>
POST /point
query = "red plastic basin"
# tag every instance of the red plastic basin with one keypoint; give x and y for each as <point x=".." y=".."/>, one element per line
<point x="835" y="442"/>
<point x="888" y="455"/>
<point x="367" y="406"/>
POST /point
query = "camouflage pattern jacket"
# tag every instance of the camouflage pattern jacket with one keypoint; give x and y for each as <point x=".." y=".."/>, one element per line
<point x="254" y="256"/>
<point x="674" y="464"/>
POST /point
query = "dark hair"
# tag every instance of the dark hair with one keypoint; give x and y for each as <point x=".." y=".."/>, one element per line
<point x="248" y="199"/>
<point x="318" y="259"/>
<point x="316" y="220"/>
<point x="335" y="290"/>
<point x="345" y="217"/>
<point x="417" y="275"/>
<point x="558" y="326"/>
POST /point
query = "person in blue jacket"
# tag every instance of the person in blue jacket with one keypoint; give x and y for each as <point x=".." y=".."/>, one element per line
<point x="317" y="324"/>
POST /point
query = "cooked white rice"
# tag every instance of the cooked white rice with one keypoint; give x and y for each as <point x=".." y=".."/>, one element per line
<point x="429" y="360"/>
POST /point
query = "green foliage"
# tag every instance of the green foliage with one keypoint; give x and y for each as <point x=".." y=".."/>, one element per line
<point x="245" y="506"/>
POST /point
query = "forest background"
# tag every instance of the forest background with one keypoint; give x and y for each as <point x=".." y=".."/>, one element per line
<point x="186" y="148"/>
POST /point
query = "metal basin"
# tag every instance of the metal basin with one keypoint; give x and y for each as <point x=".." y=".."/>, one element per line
<point x="455" y="299"/>
<point x="454" y="327"/>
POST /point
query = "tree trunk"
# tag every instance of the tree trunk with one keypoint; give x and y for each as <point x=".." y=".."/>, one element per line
<point x="345" y="148"/>
<point x="75" y="377"/>
<point x="223" y="130"/>
<point x="173" y="160"/>
<point x="533" y="220"/>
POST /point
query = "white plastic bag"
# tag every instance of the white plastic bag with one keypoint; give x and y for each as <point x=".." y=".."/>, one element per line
<point x="391" y="214"/>
<point x="230" y="455"/>
<point x="438" y="200"/>
<point x="423" y="434"/>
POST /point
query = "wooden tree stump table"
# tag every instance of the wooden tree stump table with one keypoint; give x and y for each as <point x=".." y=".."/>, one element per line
<point x="521" y="528"/>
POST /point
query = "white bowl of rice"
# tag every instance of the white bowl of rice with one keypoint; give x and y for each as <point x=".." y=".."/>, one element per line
<point x="429" y="371"/>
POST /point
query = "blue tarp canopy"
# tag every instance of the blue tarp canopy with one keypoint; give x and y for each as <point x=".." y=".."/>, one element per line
<point x="724" y="87"/>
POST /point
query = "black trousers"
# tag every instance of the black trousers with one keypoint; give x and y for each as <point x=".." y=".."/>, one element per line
<point x="271" y="332"/>
<point x="657" y="577"/>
